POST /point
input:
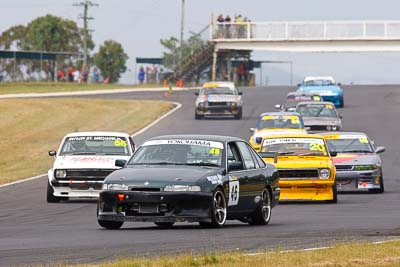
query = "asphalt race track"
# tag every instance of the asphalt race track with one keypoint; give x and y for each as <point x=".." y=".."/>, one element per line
<point x="35" y="232"/>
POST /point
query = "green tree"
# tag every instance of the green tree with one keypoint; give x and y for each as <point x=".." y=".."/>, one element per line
<point x="111" y="59"/>
<point x="48" y="33"/>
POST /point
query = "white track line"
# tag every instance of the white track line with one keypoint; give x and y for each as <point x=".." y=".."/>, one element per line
<point x="177" y="106"/>
<point x="318" y="248"/>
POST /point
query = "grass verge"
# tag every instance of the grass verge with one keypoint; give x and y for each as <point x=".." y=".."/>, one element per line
<point x="31" y="127"/>
<point x="352" y="255"/>
<point x="53" y="87"/>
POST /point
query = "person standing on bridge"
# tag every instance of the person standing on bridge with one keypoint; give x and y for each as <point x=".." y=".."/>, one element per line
<point x="227" y="26"/>
<point x="220" y="23"/>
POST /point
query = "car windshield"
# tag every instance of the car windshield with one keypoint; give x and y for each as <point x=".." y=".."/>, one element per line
<point x="313" y="110"/>
<point x="217" y="91"/>
<point x="359" y="144"/>
<point x="280" y="122"/>
<point x="179" y="152"/>
<point x="295" y="146"/>
<point x="95" y="145"/>
<point x="319" y="82"/>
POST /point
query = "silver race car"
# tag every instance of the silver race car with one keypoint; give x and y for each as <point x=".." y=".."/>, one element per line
<point x="319" y="116"/>
<point x="358" y="165"/>
<point x="218" y="99"/>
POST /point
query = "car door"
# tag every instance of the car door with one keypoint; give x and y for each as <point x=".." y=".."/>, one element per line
<point x="235" y="190"/>
<point x="253" y="177"/>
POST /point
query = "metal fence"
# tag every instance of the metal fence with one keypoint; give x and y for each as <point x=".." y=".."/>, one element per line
<point x="307" y="30"/>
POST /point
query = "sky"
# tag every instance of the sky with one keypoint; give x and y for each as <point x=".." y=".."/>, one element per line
<point x="139" y="26"/>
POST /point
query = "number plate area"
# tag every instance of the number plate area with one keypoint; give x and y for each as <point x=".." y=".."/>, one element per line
<point x="148" y="208"/>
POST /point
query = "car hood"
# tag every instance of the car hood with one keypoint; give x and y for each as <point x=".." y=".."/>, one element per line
<point x="355" y="159"/>
<point x="320" y="121"/>
<point x="321" y="90"/>
<point x="161" y="176"/>
<point x="87" y="162"/>
<point x="305" y="162"/>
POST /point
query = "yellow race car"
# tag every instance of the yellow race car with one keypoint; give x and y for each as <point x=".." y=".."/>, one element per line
<point x="275" y="123"/>
<point x="306" y="171"/>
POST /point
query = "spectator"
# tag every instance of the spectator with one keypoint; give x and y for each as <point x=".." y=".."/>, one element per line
<point x="227" y="26"/>
<point x="148" y="74"/>
<point x="155" y="73"/>
<point x="141" y="75"/>
<point x="240" y="71"/>
<point x="71" y="74"/>
<point x="76" y="75"/>
<point x="60" y="75"/>
<point x="220" y="21"/>
<point x="84" y="74"/>
<point x="96" y="75"/>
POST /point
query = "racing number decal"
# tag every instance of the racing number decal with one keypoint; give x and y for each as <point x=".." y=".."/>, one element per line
<point x="120" y="142"/>
<point x="317" y="147"/>
<point x="233" y="193"/>
<point x="214" y="151"/>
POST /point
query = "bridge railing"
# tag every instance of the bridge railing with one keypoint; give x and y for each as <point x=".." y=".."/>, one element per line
<point x="306" y="30"/>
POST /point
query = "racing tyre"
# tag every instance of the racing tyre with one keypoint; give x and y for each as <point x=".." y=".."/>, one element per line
<point x="50" y="195"/>
<point x="341" y="103"/>
<point x="108" y="224"/>
<point x="334" y="189"/>
<point x="239" y="115"/>
<point x="381" y="187"/>
<point x="262" y="216"/>
<point x="218" y="210"/>
<point x="164" y="225"/>
<point x="197" y="116"/>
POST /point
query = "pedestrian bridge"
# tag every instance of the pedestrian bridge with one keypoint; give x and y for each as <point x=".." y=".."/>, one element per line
<point x="305" y="36"/>
<point x="308" y="36"/>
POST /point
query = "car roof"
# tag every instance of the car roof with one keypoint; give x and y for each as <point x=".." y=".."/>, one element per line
<point x="298" y="135"/>
<point x="342" y="133"/>
<point x="218" y="138"/>
<point x="302" y="93"/>
<point x="280" y="113"/>
<point x="315" y="103"/>
<point x="97" y="133"/>
<point x="311" y="78"/>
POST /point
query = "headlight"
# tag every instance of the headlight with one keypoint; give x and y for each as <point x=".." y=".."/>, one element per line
<point x="328" y="127"/>
<point x="60" y="173"/>
<point x="201" y="104"/>
<point x="334" y="128"/>
<point x="324" y="173"/>
<point x="233" y="104"/>
<point x="182" y="188"/>
<point x="114" y="187"/>
<point x="365" y="167"/>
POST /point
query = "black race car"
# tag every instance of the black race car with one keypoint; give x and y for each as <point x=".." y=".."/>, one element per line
<point x="190" y="178"/>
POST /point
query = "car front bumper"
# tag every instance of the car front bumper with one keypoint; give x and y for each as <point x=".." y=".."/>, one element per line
<point x="335" y="99"/>
<point x="306" y="190"/>
<point x="76" y="189"/>
<point x="357" y="180"/>
<point x="218" y="111"/>
<point x="154" y="206"/>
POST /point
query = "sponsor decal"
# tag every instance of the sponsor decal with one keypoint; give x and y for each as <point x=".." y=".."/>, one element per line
<point x="310" y="141"/>
<point x="215" y="179"/>
<point x="206" y="143"/>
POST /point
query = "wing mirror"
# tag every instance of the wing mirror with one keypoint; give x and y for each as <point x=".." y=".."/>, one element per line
<point x="234" y="166"/>
<point x="299" y="84"/>
<point x="52" y="153"/>
<point x="196" y="93"/>
<point x="341" y="116"/>
<point x="120" y="163"/>
<point x="333" y="153"/>
<point x="380" y="149"/>
<point x="240" y="93"/>
<point x="252" y="130"/>
<point x="339" y="84"/>
<point x="277" y="106"/>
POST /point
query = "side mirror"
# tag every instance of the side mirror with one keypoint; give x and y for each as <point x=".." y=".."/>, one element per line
<point x="333" y="153"/>
<point x="52" y="153"/>
<point x="339" y="84"/>
<point x="120" y="163"/>
<point x="196" y="93"/>
<point x="234" y="166"/>
<point x="277" y="106"/>
<point x="380" y="149"/>
<point x="299" y="84"/>
<point x="252" y="130"/>
<point x="240" y="93"/>
<point x="341" y="116"/>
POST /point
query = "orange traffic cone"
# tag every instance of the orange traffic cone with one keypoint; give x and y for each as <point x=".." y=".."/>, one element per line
<point x="165" y="84"/>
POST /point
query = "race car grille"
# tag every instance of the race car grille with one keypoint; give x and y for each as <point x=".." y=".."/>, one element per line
<point x="212" y="104"/>
<point x="86" y="175"/>
<point x="317" y="127"/>
<point x="295" y="174"/>
<point x="145" y="189"/>
<point x="344" y="167"/>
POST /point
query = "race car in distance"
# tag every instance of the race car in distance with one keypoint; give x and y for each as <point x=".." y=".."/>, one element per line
<point x="219" y="99"/>
<point x="319" y="116"/>
<point x="293" y="98"/>
<point x="358" y="165"/>
<point x="306" y="171"/>
<point x="326" y="87"/>
<point x="190" y="178"/>
<point x="273" y="123"/>
<point x="82" y="162"/>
